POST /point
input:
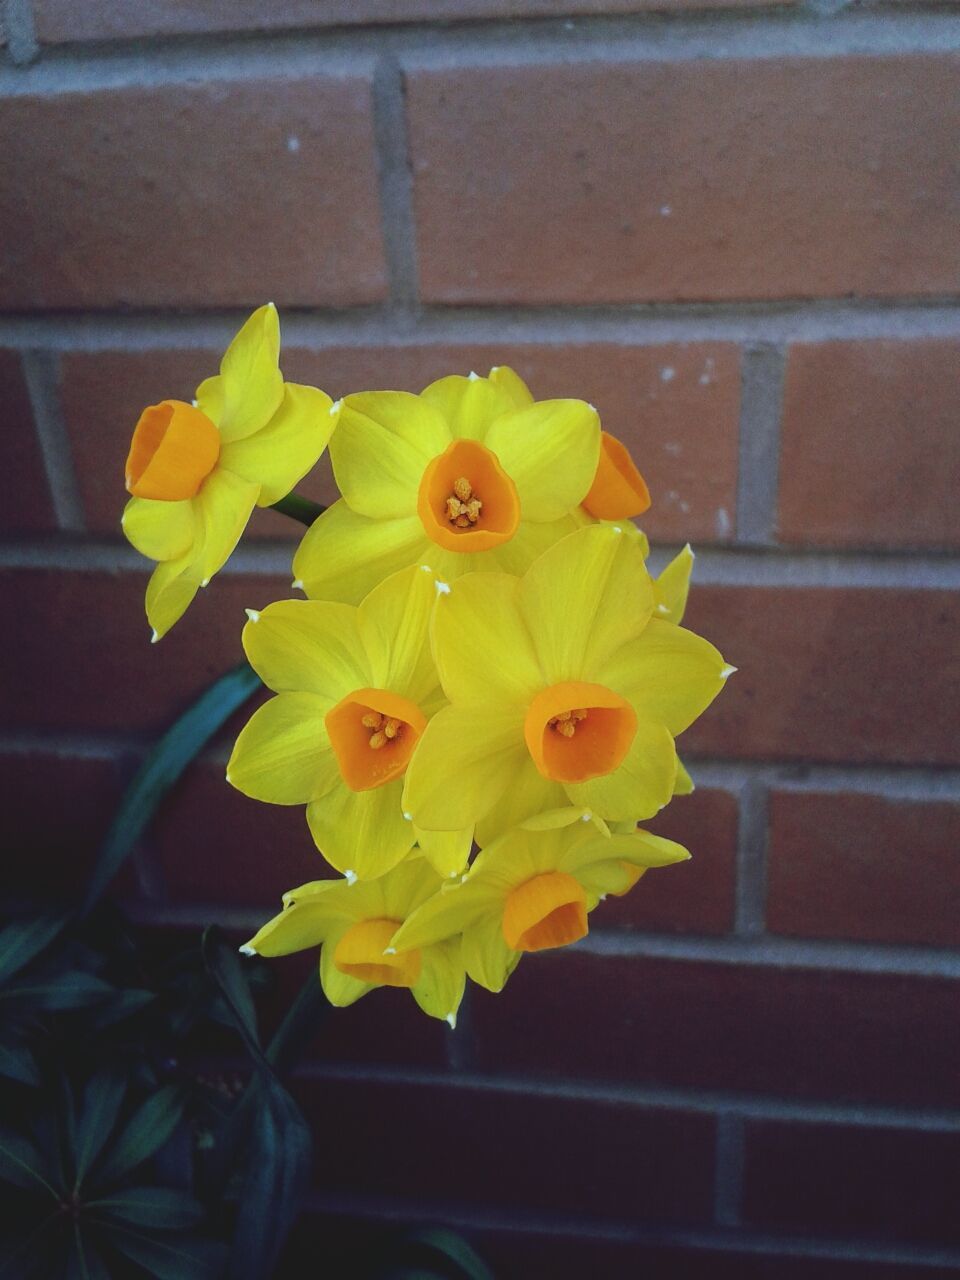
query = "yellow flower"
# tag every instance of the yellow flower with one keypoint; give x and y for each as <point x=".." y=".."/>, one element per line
<point x="470" y="474"/>
<point x="197" y="471"/>
<point x="618" y="491"/>
<point x="672" y="586"/>
<point x="353" y="924"/>
<point x="355" y="688"/>
<point x="530" y="890"/>
<point x="563" y="690"/>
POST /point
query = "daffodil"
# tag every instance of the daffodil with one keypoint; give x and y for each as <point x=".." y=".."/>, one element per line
<point x="353" y="925"/>
<point x="564" y="689"/>
<point x="530" y="890"/>
<point x="355" y="689"/>
<point x="618" y="491"/>
<point x="196" y="471"/>
<point x="470" y="474"/>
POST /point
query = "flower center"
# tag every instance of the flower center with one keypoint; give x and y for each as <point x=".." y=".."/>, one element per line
<point x="373" y="733"/>
<point x="359" y="954"/>
<point x="576" y="731"/>
<point x="548" y="911"/>
<point x="451" y="508"/>
<point x="174" y="449"/>
<point x="618" y="490"/>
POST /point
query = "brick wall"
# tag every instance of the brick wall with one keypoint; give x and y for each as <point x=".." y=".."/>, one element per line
<point x="734" y="228"/>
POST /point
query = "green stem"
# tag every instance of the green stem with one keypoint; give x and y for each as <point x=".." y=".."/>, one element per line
<point x="298" y="508"/>
<point x="303" y="1021"/>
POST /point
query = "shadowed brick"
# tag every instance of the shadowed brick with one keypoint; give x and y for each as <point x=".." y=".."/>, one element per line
<point x="207" y="195"/>
<point x="685" y="180"/>
<point x="864" y="867"/>
<point x="25" y="502"/>
<point x="870" y="451"/>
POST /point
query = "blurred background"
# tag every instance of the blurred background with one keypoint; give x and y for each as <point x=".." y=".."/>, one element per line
<point x="735" y="229"/>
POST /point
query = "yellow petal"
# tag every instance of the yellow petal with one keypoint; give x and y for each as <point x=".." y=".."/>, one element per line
<point x="223" y="507"/>
<point x="344" y="555"/>
<point x="584" y="598"/>
<point x="303" y="925"/>
<point x="209" y="398"/>
<point x="439" y="989"/>
<point x="363" y="832"/>
<point x="445" y="915"/>
<point x="462" y="766"/>
<point x="641" y="786"/>
<point x="468" y="405"/>
<point x="488" y="959"/>
<point x="529" y="794"/>
<point x="530" y="541"/>
<point x="483" y="648"/>
<point x="252" y="387"/>
<point x="669" y="674"/>
<point x="280" y="454"/>
<point x="308" y="645"/>
<point x="506" y="380"/>
<point x="684" y="785"/>
<point x="283" y="754"/>
<point x="393" y="623"/>
<point x="382" y="445"/>
<point x="550" y="452"/>
<point x="639" y="848"/>
<point x="673" y="586"/>
<point x="160" y="530"/>
<point x="171" y="588"/>
<point x="341" y="989"/>
<point x="446" y="851"/>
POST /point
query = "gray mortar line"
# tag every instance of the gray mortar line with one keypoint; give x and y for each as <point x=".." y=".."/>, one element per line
<point x="761" y="399"/>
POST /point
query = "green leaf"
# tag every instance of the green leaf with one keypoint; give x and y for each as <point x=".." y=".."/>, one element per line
<point x="460" y="1260"/>
<point x="225" y="967"/>
<point x="23" y="940"/>
<point x="74" y="990"/>
<point x="146" y="1132"/>
<point x="301" y="1023"/>
<point x="21" y="1163"/>
<point x="17" y="1063"/>
<point x="161" y="769"/>
<point x="185" y="1258"/>
<point x="84" y="1262"/>
<point x="102" y="1100"/>
<point x="123" y="1005"/>
<point x="158" y="1207"/>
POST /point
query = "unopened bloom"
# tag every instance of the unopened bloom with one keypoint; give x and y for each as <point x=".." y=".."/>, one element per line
<point x="563" y="689"/>
<point x="531" y="890"/>
<point x="470" y="474"/>
<point x="618" y="491"/>
<point x="353" y="925"/>
<point x="197" y="471"/>
<point x="355" y="688"/>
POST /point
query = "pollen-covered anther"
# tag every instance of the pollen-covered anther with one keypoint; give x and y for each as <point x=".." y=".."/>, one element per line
<point x="463" y="507"/>
<point x="566" y="722"/>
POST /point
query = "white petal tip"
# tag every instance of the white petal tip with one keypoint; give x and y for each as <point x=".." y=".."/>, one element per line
<point x="247" y="950"/>
<point x="496" y="368"/>
<point x="425" y="568"/>
<point x="297" y="584"/>
<point x="451" y="1020"/>
<point x="350" y="877"/>
<point x="335" y="407"/>
<point x="593" y="407"/>
<point x="603" y="897"/>
<point x="663" y="609"/>
<point x="252" y="614"/>
<point x="205" y="582"/>
<point x="154" y="636"/>
<point x="454" y="874"/>
<point x="586" y="816"/>
<point x="473" y="376"/>
<point x="271" y="306"/>
<point x="726" y="672"/>
<point x="443" y="588"/>
<point x="407" y="817"/>
<point x="617" y="529"/>
<point x="463" y="877"/>
<point x="228" y="778"/>
<point x="390" y="951"/>
<point x="195" y="403"/>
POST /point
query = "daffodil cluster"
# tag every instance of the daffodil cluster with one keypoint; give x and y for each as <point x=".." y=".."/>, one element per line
<point x="478" y="700"/>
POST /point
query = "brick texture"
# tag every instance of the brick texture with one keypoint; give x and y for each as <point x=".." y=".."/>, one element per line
<point x="127" y="207"/>
<point x="690" y="897"/>
<point x="841" y="1180"/>
<point x="801" y="1033"/>
<point x="869" y="446"/>
<point x="685" y="181"/>
<point x="62" y="21"/>
<point x="864" y="867"/>
<point x="580" y="1148"/>
<point x="834" y="675"/>
<point x="25" y="504"/>
<point x="676" y="406"/>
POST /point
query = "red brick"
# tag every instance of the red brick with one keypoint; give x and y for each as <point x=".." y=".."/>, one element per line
<point x="870" y="451"/>
<point x="56" y="810"/>
<point x="864" y="867"/>
<point x="783" y="178"/>
<point x="217" y="846"/>
<point x="190" y="195"/>
<point x="76" y="649"/>
<point x="691" y="897"/>
<point x="25" y="503"/>
<point x="683" y="431"/>
<point x="61" y="21"/>
<point x="834" y="1179"/>
<point x="559" y="1155"/>
<point x="747" y="1028"/>
<point x="841" y="674"/>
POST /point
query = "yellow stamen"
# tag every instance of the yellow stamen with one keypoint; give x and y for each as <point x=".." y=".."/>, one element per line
<point x="463" y="508"/>
<point x="392" y="728"/>
<point x="566" y="722"/>
<point x="378" y="740"/>
<point x="372" y="720"/>
<point x="463" y="489"/>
